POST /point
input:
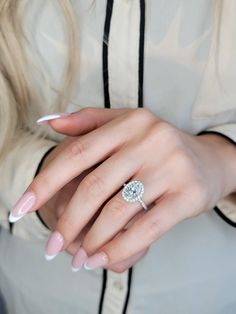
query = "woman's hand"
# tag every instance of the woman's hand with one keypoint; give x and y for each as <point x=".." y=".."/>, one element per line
<point x="183" y="176"/>
<point x="51" y="212"/>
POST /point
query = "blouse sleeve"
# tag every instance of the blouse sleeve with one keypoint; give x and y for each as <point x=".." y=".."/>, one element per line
<point x="216" y="102"/>
<point x="17" y="170"/>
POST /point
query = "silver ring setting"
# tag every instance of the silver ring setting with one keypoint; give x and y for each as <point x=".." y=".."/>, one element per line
<point x="133" y="192"/>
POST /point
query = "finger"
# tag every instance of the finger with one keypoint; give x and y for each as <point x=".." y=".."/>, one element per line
<point x="80" y="256"/>
<point x="84" y="120"/>
<point x="157" y="221"/>
<point x="117" y="212"/>
<point x="83" y="153"/>
<point x="127" y="263"/>
<point x="93" y="191"/>
<point x="73" y="248"/>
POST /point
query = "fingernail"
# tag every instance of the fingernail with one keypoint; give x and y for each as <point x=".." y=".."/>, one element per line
<point x="79" y="259"/>
<point x="44" y="120"/>
<point x="96" y="260"/>
<point x="54" y="245"/>
<point x="23" y="205"/>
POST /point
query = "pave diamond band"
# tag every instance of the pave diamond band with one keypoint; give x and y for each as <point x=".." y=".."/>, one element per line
<point x="133" y="192"/>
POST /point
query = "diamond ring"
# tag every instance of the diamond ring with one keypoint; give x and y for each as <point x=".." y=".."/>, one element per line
<point x="133" y="191"/>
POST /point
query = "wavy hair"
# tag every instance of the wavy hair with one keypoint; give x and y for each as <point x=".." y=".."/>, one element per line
<point x="18" y="89"/>
<point x="18" y="92"/>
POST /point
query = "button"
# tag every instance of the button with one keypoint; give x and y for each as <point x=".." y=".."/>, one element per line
<point x="118" y="285"/>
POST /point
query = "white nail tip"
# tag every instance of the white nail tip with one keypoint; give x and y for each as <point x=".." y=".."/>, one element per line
<point x="51" y="117"/>
<point x="87" y="267"/>
<point x="50" y="257"/>
<point x="74" y="269"/>
<point x="14" y="218"/>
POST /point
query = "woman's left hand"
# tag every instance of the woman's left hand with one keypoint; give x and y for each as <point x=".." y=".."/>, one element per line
<point x="183" y="175"/>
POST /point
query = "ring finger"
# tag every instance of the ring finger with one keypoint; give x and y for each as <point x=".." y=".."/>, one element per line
<point x="118" y="212"/>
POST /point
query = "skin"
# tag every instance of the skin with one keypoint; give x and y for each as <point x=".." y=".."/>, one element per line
<point x="183" y="174"/>
<point x="54" y="208"/>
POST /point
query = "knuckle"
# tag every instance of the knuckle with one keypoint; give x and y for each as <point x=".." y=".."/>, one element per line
<point x="93" y="184"/>
<point x="142" y="115"/>
<point x="77" y="150"/>
<point x="164" y="133"/>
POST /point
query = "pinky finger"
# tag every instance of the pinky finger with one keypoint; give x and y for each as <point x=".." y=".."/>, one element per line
<point x="147" y="229"/>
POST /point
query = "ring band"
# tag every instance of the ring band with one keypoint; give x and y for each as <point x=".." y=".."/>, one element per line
<point x="133" y="192"/>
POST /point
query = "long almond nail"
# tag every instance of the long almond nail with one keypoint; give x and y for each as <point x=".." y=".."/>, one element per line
<point x="79" y="259"/>
<point x="23" y="206"/>
<point x="44" y="120"/>
<point x="54" y="245"/>
<point x="96" y="260"/>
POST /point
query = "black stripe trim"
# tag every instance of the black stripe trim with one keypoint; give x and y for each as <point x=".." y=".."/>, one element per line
<point x="42" y="160"/>
<point x="217" y="133"/>
<point x="226" y="219"/>
<point x="36" y="173"/>
<point x="141" y="52"/>
<point x="217" y="210"/>
<point x="128" y="291"/>
<point x="107" y="25"/>
<point x="41" y="220"/>
<point x="104" y="284"/>
<point x="11" y="224"/>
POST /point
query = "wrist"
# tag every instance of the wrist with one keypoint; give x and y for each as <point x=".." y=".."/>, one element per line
<point x="224" y="152"/>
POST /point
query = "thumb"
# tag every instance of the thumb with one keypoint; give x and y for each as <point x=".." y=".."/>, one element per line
<point x="82" y="121"/>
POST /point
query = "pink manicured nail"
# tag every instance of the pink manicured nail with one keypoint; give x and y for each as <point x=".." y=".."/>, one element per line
<point x="54" y="245"/>
<point x="79" y="259"/>
<point x="23" y="206"/>
<point x="44" y="120"/>
<point x="96" y="260"/>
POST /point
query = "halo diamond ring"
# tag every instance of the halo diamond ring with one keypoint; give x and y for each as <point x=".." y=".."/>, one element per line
<point x="133" y="192"/>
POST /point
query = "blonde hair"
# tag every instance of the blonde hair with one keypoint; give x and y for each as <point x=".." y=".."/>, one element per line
<point x="17" y="87"/>
<point x="17" y="92"/>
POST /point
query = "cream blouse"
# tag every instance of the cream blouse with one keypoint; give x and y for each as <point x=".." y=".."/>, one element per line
<point x="161" y="55"/>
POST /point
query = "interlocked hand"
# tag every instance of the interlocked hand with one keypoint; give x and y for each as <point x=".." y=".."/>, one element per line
<point x="183" y="174"/>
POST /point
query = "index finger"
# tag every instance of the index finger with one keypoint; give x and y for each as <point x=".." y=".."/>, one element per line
<point x="81" y="154"/>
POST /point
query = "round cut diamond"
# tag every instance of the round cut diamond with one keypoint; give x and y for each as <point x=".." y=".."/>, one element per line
<point x="133" y="191"/>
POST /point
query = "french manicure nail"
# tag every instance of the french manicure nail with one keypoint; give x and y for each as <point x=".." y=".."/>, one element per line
<point x="23" y="206"/>
<point x="44" y="120"/>
<point x="79" y="259"/>
<point x="96" y="260"/>
<point x="54" y="245"/>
